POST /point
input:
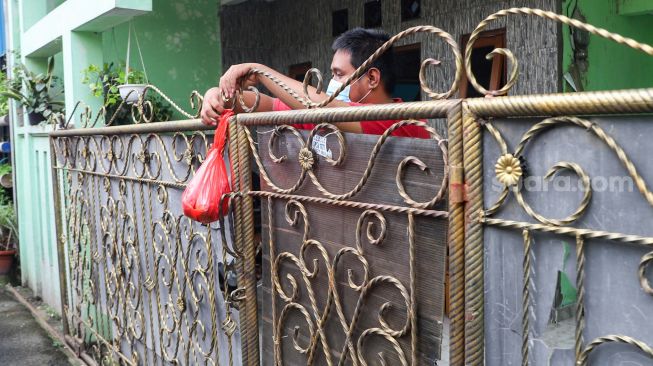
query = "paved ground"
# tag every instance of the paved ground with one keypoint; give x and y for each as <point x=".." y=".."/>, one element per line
<point x="22" y="341"/>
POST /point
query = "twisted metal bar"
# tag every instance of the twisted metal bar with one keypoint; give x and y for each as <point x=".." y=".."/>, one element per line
<point x="273" y="254"/>
<point x="456" y="241"/>
<point x="245" y="230"/>
<point x="544" y="14"/>
<point x="580" y="301"/>
<point x="114" y="176"/>
<point x="526" y="297"/>
<point x="413" y="289"/>
<point x="353" y="204"/>
<point x="613" y="339"/>
<point x="570" y="231"/>
<point x="474" y="282"/>
<point x="580" y="103"/>
<point x="195" y="101"/>
<point x="375" y="112"/>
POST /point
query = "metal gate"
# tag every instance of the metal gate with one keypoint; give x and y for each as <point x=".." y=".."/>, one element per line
<point x="147" y="286"/>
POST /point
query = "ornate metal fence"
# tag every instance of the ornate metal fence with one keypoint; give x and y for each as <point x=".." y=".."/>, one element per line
<point x="534" y="218"/>
<point x="354" y="245"/>
<point x="147" y="286"/>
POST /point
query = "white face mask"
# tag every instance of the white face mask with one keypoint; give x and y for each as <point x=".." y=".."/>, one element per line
<point x="344" y="94"/>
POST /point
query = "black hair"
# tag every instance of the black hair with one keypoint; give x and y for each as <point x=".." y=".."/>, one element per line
<point x="361" y="43"/>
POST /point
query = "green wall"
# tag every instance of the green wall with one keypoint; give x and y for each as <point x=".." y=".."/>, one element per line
<point x="612" y="66"/>
<point x="180" y="41"/>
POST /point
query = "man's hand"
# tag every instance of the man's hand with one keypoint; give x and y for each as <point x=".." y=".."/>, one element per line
<point x="234" y="78"/>
<point x="212" y="106"/>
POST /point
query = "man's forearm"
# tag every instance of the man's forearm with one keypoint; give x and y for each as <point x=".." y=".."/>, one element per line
<point x="295" y="85"/>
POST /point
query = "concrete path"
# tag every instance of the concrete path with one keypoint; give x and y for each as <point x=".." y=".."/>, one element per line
<point x="22" y="341"/>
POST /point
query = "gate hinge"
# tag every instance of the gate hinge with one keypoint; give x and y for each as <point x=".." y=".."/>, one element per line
<point x="457" y="185"/>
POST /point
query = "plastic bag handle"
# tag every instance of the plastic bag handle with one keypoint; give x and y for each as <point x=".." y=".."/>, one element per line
<point x="220" y="137"/>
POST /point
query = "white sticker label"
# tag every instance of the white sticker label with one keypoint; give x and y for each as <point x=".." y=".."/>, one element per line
<point x="320" y="146"/>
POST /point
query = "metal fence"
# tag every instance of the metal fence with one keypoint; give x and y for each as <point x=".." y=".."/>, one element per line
<point x="144" y="283"/>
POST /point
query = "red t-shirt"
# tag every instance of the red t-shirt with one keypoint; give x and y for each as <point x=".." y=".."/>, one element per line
<point x="368" y="127"/>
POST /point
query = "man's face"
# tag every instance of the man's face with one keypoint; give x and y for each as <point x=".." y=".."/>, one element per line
<point x="342" y="68"/>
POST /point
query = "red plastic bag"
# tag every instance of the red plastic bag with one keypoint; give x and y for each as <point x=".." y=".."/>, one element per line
<point x="201" y="198"/>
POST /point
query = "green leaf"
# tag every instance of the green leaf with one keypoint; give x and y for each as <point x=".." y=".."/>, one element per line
<point x="14" y="95"/>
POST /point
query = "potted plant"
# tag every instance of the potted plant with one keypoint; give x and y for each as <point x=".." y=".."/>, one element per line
<point x="133" y="85"/>
<point x="105" y="82"/>
<point x="8" y="235"/>
<point x="35" y="92"/>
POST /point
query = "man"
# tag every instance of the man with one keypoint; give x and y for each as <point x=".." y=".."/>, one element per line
<point x="352" y="48"/>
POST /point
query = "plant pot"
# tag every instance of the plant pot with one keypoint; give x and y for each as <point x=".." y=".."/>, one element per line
<point x="131" y="92"/>
<point x="5" y="147"/>
<point x="6" y="180"/>
<point x="6" y="261"/>
<point x="35" y="118"/>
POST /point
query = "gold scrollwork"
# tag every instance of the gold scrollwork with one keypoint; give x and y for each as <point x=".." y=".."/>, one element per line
<point x="375" y="226"/>
<point x="136" y="266"/>
<point x="547" y="124"/>
<point x="645" y="283"/>
<point x="505" y="171"/>
<point x="307" y="166"/>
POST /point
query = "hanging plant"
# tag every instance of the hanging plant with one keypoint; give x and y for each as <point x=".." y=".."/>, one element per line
<point x="104" y="82"/>
<point x="134" y="83"/>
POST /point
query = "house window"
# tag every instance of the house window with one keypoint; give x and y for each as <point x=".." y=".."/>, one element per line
<point x="340" y="22"/>
<point x="491" y="74"/>
<point x="298" y="71"/>
<point x="410" y="9"/>
<point x="407" y="62"/>
<point x="373" y="16"/>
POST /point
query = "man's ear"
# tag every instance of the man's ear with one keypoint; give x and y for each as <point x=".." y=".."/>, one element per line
<point x="374" y="77"/>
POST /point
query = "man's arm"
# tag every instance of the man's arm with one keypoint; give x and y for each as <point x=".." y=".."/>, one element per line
<point x="213" y="104"/>
<point x="238" y="75"/>
<point x="235" y="77"/>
